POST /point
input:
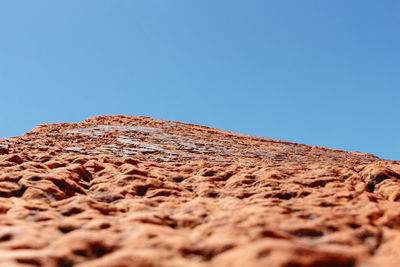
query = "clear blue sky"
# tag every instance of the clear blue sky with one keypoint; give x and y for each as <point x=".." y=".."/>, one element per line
<point x="317" y="72"/>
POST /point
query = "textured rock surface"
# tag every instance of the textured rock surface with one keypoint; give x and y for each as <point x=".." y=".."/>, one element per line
<point x="133" y="191"/>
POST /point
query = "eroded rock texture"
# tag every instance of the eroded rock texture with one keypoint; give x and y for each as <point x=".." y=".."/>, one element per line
<point x="133" y="191"/>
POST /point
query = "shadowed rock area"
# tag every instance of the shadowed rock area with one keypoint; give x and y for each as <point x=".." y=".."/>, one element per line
<point x="134" y="191"/>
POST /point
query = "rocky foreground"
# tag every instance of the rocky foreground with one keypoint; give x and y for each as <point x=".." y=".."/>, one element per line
<point x="134" y="191"/>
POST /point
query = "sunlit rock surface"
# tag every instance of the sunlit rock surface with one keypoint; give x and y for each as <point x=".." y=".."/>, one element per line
<point x="134" y="191"/>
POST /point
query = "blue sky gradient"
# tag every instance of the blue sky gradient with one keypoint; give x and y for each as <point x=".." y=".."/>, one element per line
<point x="323" y="73"/>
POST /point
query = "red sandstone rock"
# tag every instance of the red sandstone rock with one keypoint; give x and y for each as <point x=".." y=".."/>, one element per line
<point x="133" y="191"/>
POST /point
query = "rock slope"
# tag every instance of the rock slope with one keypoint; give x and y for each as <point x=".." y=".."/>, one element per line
<point x="134" y="191"/>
